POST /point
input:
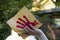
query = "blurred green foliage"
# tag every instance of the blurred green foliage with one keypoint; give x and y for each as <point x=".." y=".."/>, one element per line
<point x="9" y="8"/>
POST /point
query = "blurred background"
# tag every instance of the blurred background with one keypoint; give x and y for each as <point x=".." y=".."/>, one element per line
<point x="45" y="10"/>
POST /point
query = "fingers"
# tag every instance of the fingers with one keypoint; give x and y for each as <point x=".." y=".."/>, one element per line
<point x="25" y="18"/>
<point x="20" y="23"/>
<point x="18" y="26"/>
<point x="28" y="28"/>
<point x="32" y="27"/>
<point x="21" y="20"/>
<point x="35" y="22"/>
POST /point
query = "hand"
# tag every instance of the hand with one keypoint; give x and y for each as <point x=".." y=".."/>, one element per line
<point x="21" y="23"/>
<point x="34" y="31"/>
<point x="27" y="25"/>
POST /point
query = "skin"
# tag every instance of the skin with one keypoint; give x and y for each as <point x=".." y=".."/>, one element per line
<point x="36" y="32"/>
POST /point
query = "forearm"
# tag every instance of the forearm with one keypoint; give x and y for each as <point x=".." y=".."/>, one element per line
<point x="42" y="36"/>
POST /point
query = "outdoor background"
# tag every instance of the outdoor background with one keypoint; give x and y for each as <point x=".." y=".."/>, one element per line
<point x="8" y="8"/>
